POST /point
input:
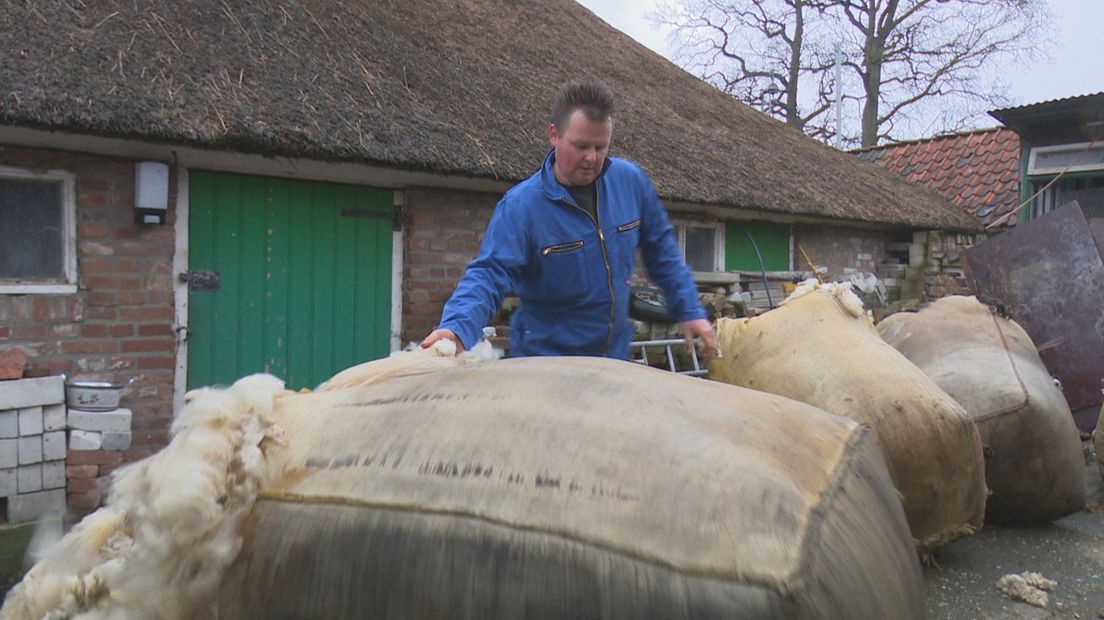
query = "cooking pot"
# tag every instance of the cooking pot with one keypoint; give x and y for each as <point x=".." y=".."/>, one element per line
<point x="94" y="395"/>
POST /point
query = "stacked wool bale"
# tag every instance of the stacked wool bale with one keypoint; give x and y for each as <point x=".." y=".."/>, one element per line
<point x="990" y="366"/>
<point x="426" y="486"/>
<point x="820" y="348"/>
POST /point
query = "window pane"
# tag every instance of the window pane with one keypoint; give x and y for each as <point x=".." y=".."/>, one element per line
<point x="1076" y="156"/>
<point x="31" y="230"/>
<point x="700" y="248"/>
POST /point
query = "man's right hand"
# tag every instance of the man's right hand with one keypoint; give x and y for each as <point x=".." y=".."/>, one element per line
<point x="443" y="334"/>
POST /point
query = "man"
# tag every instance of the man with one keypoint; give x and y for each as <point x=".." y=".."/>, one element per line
<point x="565" y="241"/>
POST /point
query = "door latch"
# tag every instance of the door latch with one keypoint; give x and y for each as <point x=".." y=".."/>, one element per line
<point x="208" y="281"/>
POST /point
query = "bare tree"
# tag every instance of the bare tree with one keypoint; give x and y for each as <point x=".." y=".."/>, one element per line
<point x="912" y="64"/>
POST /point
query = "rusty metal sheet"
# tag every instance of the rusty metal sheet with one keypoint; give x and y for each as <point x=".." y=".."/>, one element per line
<point x="1049" y="275"/>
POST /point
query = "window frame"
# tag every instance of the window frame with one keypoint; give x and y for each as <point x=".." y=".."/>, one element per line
<point x="1033" y="170"/>
<point x="680" y="226"/>
<point x="67" y="284"/>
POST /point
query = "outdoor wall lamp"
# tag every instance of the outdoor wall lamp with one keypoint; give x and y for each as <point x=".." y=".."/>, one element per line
<point x="151" y="192"/>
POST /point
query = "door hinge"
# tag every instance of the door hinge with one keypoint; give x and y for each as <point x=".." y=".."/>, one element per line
<point x="209" y="281"/>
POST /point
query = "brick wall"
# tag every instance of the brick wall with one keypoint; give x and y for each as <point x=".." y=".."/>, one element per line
<point x="119" y="324"/>
<point x="442" y="235"/>
<point x="843" y="251"/>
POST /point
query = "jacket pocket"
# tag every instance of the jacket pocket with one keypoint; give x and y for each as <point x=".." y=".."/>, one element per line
<point x="623" y="249"/>
<point x="563" y="273"/>
<point x="629" y="226"/>
<point x="561" y="247"/>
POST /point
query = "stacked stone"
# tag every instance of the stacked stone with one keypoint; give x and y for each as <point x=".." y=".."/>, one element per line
<point x="97" y="440"/>
<point x="32" y="448"/>
<point x="935" y="264"/>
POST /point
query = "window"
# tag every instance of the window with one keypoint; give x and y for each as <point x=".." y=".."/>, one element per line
<point x="1052" y="160"/>
<point x="1088" y="191"/>
<point x="37" y="232"/>
<point x="702" y="244"/>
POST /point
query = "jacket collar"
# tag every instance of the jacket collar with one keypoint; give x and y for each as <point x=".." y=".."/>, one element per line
<point x="551" y="185"/>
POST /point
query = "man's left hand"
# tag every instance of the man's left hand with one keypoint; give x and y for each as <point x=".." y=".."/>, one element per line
<point x="703" y="329"/>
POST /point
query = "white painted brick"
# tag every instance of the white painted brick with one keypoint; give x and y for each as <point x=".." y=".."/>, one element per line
<point x="29" y="478"/>
<point x="9" y="452"/>
<point x="117" y="421"/>
<point x="116" y="441"/>
<point x="85" y="440"/>
<point x="8" y="484"/>
<point x="53" y="417"/>
<point x="53" y="446"/>
<point x="33" y="506"/>
<point x="31" y="392"/>
<point x="9" y="423"/>
<point x="30" y="449"/>
<point x="30" y="421"/>
<point x="53" y="475"/>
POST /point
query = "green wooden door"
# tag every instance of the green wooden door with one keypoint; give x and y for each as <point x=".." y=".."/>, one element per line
<point x="305" y="278"/>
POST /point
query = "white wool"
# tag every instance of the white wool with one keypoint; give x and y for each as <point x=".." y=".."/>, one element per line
<point x="1018" y="588"/>
<point x="441" y="355"/>
<point x="171" y="524"/>
<point x="1035" y="580"/>
<point x="840" y="290"/>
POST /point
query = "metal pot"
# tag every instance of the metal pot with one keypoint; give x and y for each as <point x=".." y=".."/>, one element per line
<point x="94" y="395"/>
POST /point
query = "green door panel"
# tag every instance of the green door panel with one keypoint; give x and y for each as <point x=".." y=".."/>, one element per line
<point x="305" y="278"/>
<point x="773" y="241"/>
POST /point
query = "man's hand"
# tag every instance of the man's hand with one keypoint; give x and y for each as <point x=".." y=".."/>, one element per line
<point x="443" y="334"/>
<point x="703" y="329"/>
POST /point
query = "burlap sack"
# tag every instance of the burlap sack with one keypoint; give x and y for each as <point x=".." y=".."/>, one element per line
<point x="564" y="488"/>
<point x="1033" y="464"/>
<point x="820" y="348"/>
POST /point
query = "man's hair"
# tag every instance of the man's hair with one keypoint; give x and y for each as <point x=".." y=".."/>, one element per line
<point x="593" y="98"/>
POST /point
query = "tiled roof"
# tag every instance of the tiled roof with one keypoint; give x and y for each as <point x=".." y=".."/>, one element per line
<point x="978" y="170"/>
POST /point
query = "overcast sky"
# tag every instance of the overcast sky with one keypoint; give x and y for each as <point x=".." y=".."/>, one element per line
<point x="1075" y="67"/>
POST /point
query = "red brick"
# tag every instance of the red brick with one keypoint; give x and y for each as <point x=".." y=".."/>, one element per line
<point x="94" y="330"/>
<point x="95" y="265"/>
<point x="102" y="313"/>
<point x="91" y="199"/>
<point x="156" y="329"/>
<point x="132" y="298"/>
<point x="116" y="282"/>
<point x="102" y="298"/>
<point x="106" y="470"/>
<point x="82" y="471"/>
<point x="148" y="345"/>
<point x="82" y="346"/>
<point x="83" y="501"/>
<point x="28" y="332"/>
<point x="5" y="332"/>
<point x="93" y="457"/>
<point x="83" y="485"/>
<point x="92" y="231"/>
<point x="121" y="331"/>
<point x="146" y="313"/>
<point x="142" y="439"/>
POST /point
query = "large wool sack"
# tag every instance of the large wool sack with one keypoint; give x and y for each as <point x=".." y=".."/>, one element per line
<point x="1033" y="466"/>
<point x="820" y="348"/>
<point x="564" y="488"/>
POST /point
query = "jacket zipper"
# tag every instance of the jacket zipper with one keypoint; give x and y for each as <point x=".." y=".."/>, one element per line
<point x="627" y="227"/>
<point x="561" y="247"/>
<point x="605" y="259"/>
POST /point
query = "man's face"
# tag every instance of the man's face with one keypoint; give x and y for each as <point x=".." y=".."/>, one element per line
<point x="580" y="149"/>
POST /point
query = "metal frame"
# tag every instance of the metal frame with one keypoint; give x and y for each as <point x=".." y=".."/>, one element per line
<point x="641" y="346"/>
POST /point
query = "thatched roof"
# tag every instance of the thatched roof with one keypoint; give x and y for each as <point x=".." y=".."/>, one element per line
<point x="449" y="86"/>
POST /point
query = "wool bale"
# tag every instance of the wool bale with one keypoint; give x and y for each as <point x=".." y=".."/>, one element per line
<point x="1033" y="464"/>
<point x="820" y="348"/>
<point x="569" y="487"/>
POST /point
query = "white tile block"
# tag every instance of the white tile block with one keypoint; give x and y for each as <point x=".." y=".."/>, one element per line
<point x="53" y="475"/>
<point x="29" y="478"/>
<point x="8" y="484"/>
<point x="30" y="421"/>
<point x="30" y="449"/>
<point x="31" y="392"/>
<point x="116" y="441"/>
<point x="85" y="440"/>
<point x="9" y="423"/>
<point x="53" y="446"/>
<point x="117" y="421"/>
<point x="9" y="452"/>
<point x="33" y="506"/>
<point x="53" y="418"/>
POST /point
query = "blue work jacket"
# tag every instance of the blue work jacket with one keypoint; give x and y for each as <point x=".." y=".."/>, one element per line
<point x="572" y="271"/>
